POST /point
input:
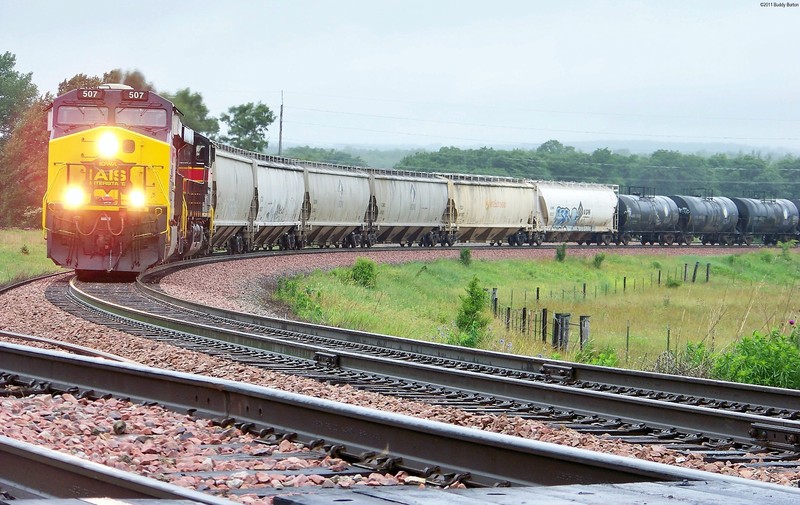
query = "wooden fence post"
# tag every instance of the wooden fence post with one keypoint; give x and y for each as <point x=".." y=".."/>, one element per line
<point x="584" y="328"/>
<point x="544" y="325"/>
<point x="524" y="319"/>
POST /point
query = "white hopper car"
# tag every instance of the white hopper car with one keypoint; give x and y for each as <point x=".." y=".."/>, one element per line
<point x="264" y="201"/>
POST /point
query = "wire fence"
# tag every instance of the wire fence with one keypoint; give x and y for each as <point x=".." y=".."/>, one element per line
<point x="555" y="327"/>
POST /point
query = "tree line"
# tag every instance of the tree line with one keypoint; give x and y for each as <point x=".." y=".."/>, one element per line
<point x="662" y="172"/>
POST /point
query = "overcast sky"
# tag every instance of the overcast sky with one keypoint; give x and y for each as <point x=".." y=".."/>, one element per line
<point x="440" y="72"/>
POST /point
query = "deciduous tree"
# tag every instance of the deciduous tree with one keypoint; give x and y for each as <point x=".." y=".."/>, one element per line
<point x="324" y="155"/>
<point x="23" y="168"/>
<point x="17" y="93"/>
<point x="247" y="126"/>
<point x="195" y="112"/>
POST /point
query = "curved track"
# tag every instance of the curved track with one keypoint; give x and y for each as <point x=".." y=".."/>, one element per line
<point x="722" y="420"/>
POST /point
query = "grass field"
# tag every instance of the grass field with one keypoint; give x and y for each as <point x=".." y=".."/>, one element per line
<point x="746" y="292"/>
<point x="23" y="253"/>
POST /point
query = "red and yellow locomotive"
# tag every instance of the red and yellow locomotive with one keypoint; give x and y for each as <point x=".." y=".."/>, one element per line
<point x="127" y="184"/>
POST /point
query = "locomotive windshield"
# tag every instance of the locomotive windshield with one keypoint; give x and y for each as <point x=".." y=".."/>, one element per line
<point x="82" y="109"/>
<point x="138" y="116"/>
<point x="83" y="115"/>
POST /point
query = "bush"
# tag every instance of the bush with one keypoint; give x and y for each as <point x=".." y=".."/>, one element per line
<point x="24" y="250"/>
<point x="465" y="257"/>
<point x="785" y="248"/>
<point x="303" y="302"/>
<point x="473" y="337"/>
<point x="591" y="356"/>
<point x="598" y="259"/>
<point x="364" y="273"/>
<point x="472" y="319"/>
<point x="561" y="252"/>
<point x="692" y="361"/>
<point x="673" y="283"/>
<point x="768" y="360"/>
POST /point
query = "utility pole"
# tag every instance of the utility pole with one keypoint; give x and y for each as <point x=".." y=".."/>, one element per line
<point x="280" y="128"/>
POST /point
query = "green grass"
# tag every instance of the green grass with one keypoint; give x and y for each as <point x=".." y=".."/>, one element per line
<point x="747" y="292"/>
<point x="23" y="253"/>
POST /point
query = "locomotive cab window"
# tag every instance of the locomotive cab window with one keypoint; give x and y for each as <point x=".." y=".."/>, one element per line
<point x="72" y="115"/>
<point x="137" y="116"/>
<point x="201" y="155"/>
<point x="185" y="155"/>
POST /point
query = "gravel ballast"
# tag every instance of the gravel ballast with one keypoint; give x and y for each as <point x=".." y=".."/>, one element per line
<point x="230" y="286"/>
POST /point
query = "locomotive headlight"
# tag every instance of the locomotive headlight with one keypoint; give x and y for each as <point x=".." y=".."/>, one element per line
<point x="108" y="145"/>
<point x="136" y="198"/>
<point x="74" y="197"/>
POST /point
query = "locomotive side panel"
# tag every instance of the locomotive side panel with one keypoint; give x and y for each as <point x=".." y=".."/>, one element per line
<point x="407" y="207"/>
<point x="489" y="210"/>
<point x="336" y="202"/>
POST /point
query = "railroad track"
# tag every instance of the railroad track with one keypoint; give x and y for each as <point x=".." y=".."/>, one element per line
<point x="369" y="440"/>
<point x="32" y="473"/>
<point x="723" y="422"/>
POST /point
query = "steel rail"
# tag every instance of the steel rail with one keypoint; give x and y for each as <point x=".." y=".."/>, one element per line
<point x="487" y="457"/>
<point x="14" y="284"/>
<point x="66" y="346"/>
<point x="30" y="471"/>
<point x="742" y="427"/>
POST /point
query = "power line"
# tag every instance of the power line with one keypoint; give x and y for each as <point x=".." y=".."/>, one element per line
<point x="519" y="128"/>
<point x="548" y="111"/>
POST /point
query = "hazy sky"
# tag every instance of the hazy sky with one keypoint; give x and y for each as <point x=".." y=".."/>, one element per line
<point x="432" y="72"/>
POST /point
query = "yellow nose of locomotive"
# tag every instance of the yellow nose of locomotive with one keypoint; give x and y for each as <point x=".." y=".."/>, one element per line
<point x="107" y="167"/>
<point x="107" y="199"/>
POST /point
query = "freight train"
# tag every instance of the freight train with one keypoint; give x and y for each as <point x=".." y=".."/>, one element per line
<point x="130" y="186"/>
